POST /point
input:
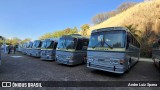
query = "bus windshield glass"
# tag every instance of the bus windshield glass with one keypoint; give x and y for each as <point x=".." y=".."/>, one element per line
<point x="47" y="44"/>
<point x="44" y="44"/>
<point x="67" y="43"/>
<point x="29" y="45"/>
<point x="37" y="44"/>
<point x="108" y="39"/>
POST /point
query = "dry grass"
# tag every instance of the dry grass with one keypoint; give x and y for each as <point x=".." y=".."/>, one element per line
<point x="138" y="15"/>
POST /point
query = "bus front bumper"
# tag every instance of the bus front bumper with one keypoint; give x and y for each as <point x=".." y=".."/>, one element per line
<point x="47" y="57"/>
<point x="35" y="55"/>
<point x="113" y="69"/>
<point x="67" y="62"/>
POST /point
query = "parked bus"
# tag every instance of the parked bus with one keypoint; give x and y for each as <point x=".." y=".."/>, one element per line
<point x="24" y="46"/>
<point x="48" y="49"/>
<point x="156" y="54"/>
<point x="29" y="48"/>
<point x="112" y="49"/>
<point x="19" y="49"/>
<point x="72" y="49"/>
<point x="36" y="49"/>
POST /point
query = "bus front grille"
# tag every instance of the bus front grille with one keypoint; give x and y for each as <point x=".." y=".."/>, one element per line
<point x="100" y="67"/>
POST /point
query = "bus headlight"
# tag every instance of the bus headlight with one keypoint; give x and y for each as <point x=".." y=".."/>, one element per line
<point x="114" y="61"/>
<point x="121" y="62"/>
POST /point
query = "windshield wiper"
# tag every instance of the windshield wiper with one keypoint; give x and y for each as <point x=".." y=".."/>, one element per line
<point x="108" y="45"/>
<point x="103" y="45"/>
<point x="97" y="44"/>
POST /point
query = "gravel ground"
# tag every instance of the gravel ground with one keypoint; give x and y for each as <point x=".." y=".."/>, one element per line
<point x="26" y="68"/>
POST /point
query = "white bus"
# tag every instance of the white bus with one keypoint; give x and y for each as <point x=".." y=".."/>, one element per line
<point x="36" y="48"/>
<point x="72" y="49"/>
<point x="112" y="49"/>
<point x="48" y="49"/>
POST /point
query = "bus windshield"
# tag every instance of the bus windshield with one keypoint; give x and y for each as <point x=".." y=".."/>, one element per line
<point x="37" y="44"/>
<point x="44" y="44"/>
<point x="48" y="44"/>
<point x="67" y="43"/>
<point x="108" y="39"/>
<point x="30" y="45"/>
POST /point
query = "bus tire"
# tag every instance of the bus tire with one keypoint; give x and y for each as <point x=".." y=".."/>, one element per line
<point x="154" y="61"/>
<point x="129" y="65"/>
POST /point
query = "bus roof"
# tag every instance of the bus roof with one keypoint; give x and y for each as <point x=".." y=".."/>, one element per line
<point x="110" y="28"/>
<point x="38" y="40"/>
<point x="75" y="36"/>
<point x="53" y="39"/>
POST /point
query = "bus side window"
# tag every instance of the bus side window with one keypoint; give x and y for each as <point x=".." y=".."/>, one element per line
<point x="128" y="40"/>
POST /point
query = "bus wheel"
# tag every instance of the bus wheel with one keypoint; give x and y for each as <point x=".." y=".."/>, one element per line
<point x="129" y="65"/>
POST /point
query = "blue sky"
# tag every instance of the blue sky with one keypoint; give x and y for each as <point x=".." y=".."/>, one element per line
<point x="33" y="18"/>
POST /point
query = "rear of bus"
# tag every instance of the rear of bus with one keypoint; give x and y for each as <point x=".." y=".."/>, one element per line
<point x="106" y="50"/>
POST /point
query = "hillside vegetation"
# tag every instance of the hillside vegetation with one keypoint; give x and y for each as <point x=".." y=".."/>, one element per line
<point x="139" y="15"/>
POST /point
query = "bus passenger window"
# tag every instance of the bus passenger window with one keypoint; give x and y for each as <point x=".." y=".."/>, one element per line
<point x="128" y="40"/>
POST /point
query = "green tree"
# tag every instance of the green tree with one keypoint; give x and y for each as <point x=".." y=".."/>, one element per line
<point x="84" y="29"/>
<point x="74" y="30"/>
<point x="134" y="31"/>
<point x="58" y="34"/>
<point x="26" y="40"/>
<point x="15" y="40"/>
<point x="47" y="35"/>
<point x="1" y="40"/>
<point x="147" y="39"/>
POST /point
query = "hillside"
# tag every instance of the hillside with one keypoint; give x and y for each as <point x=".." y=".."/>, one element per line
<point x="138" y="15"/>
